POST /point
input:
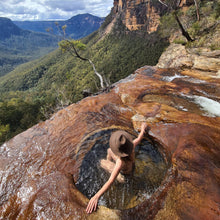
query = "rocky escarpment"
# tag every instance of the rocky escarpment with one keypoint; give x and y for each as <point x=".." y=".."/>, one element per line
<point x="142" y="14"/>
<point x="139" y="15"/>
<point x="39" y="168"/>
<point x="201" y="61"/>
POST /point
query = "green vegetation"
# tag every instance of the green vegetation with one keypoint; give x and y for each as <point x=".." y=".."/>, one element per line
<point x="204" y="32"/>
<point x="58" y="79"/>
<point x="9" y="59"/>
<point x="35" y="90"/>
<point x="173" y="7"/>
<point x="18" y="46"/>
<point x="17" y="116"/>
<point x="4" y="130"/>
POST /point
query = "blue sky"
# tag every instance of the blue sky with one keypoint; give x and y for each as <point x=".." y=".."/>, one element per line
<point x="52" y="9"/>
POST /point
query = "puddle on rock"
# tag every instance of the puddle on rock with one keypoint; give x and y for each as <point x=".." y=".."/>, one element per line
<point x="181" y="103"/>
<point x="150" y="170"/>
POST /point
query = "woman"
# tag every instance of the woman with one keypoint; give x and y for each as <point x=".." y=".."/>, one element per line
<point x="120" y="161"/>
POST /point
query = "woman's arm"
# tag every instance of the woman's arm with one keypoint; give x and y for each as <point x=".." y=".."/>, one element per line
<point x="92" y="205"/>
<point x="141" y="134"/>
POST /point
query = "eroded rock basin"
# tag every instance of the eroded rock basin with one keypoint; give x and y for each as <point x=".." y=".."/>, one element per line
<point x="149" y="172"/>
<point x="40" y="167"/>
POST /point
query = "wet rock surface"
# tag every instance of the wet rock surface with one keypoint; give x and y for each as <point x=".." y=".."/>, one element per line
<point x="149" y="171"/>
<point x="39" y="168"/>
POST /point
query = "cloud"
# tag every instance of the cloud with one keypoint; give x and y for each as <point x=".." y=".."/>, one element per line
<point x="19" y="10"/>
<point x="24" y="10"/>
<point x="14" y="2"/>
<point x="98" y="6"/>
<point x="53" y="9"/>
<point x="66" y="5"/>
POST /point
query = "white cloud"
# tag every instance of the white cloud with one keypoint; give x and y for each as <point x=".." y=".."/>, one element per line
<point x="53" y="9"/>
<point x="66" y="5"/>
<point x="14" y="2"/>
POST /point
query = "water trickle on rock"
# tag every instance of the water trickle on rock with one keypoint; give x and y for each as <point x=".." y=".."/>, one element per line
<point x="40" y="167"/>
<point x="150" y="169"/>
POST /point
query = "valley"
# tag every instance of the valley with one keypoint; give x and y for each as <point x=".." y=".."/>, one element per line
<point x="58" y="79"/>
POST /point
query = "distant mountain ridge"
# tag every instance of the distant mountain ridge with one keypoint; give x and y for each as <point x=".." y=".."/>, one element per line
<point x="18" y="46"/>
<point x="78" y="26"/>
<point x="8" y="28"/>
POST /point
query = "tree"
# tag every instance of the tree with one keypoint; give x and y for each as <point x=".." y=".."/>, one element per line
<point x="74" y="47"/>
<point x="173" y="6"/>
<point x="4" y="130"/>
<point x="197" y="10"/>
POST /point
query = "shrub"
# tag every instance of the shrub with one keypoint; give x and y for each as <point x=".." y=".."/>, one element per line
<point x="217" y="10"/>
<point x="179" y="41"/>
<point x="195" y="29"/>
<point x="191" y="13"/>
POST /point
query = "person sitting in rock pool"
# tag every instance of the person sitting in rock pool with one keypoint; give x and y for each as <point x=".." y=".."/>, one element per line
<point x="119" y="162"/>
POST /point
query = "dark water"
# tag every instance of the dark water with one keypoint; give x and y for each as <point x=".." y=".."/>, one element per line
<point x="150" y="169"/>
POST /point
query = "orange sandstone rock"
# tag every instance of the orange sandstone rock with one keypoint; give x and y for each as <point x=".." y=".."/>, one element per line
<point x="39" y="167"/>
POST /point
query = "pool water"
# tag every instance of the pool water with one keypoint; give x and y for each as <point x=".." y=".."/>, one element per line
<point x="150" y="170"/>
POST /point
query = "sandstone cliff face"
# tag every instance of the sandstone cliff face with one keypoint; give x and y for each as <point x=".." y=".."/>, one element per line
<point x="138" y="14"/>
<point x="39" y="168"/>
<point x="142" y="14"/>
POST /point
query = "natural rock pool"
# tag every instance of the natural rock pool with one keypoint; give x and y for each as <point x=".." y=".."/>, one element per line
<point x="150" y="170"/>
<point x="50" y="170"/>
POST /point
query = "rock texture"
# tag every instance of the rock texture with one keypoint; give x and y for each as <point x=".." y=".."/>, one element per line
<point x="139" y="14"/>
<point x="142" y="14"/>
<point x="202" y="61"/>
<point x="38" y="168"/>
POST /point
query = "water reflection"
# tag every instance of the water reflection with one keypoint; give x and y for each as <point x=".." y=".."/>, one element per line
<point x="150" y="169"/>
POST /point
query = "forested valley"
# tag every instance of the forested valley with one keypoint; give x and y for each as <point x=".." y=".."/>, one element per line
<point x="37" y="89"/>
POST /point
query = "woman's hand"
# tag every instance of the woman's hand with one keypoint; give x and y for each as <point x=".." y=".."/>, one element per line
<point x="144" y="126"/>
<point x="92" y="205"/>
<point x="137" y="140"/>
